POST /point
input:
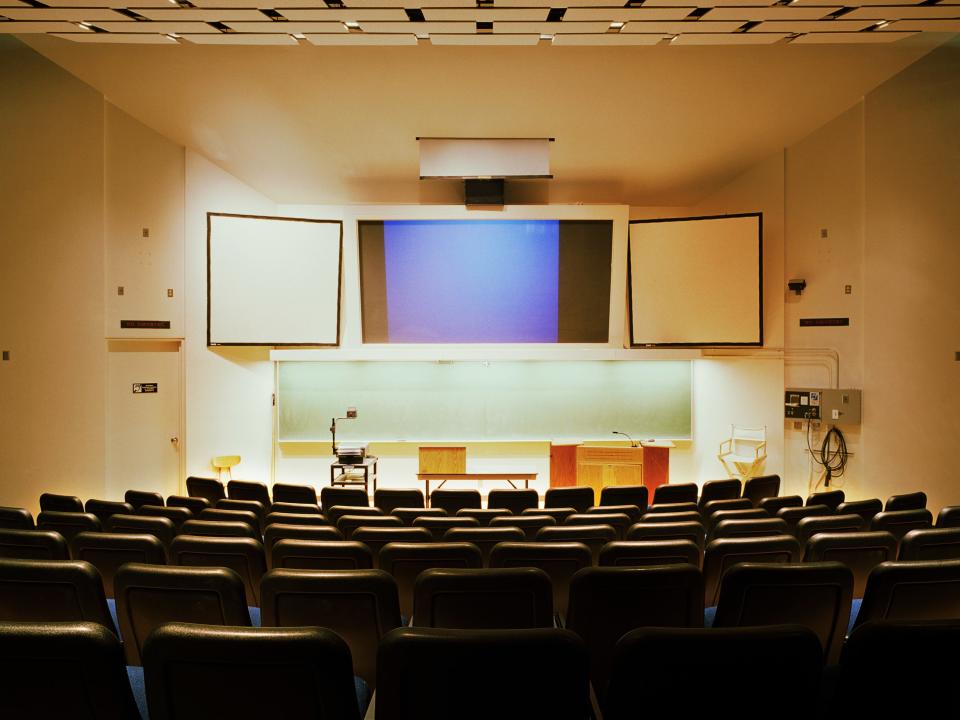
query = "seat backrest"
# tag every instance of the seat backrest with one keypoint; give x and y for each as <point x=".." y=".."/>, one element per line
<point x="68" y="524"/>
<point x="196" y="505"/>
<point x="721" y="555"/>
<point x="579" y="498"/>
<point x="453" y="500"/>
<point x="177" y="515"/>
<point x="150" y="595"/>
<point x="295" y="508"/>
<point x="15" y="518"/>
<point x="692" y="531"/>
<point x="331" y="496"/>
<point x="33" y="545"/>
<point x="949" y="516"/>
<point x="405" y="561"/>
<point x="900" y="522"/>
<point x="601" y="613"/>
<point x="631" y="511"/>
<point x="676" y="493"/>
<point x="63" y="670"/>
<point x="558" y="560"/>
<point x="219" y="514"/>
<point x="389" y="498"/>
<point x="51" y="502"/>
<point x="713" y="490"/>
<point x="485" y="515"/>
<point x="774" y="504"/>
<point x="360" y="606"/>
<point x="348" y="523"/>
<point x="248" y="490"/>
<point x="618" y="521"/>
<point x="830" y="498"/>
<point x="285" y="493"/>
<point x="864" y="508"/>
<point x="139" y="498"/>
<point x="105" y="508"/>
<point x="625" y="495"/>
<point x="673" y="517"/>
<point x="376" y="537"/>
<point x="438" y="525"/>
<point x="700" y="667"/>
<point x="220" y="528"/>
<point x="928" y="590"/>
<point x="907" y="501"/>
<point x="593" y="536"/>
<point x="931" y="544"/>
<point x="408" y="515"/>
<point x="484" y="537"/>
<point x="425" y="673"/>
<point x="324" y="555"/>
<point x="644" y="553"/>
<point x="809" y="526"/>
<point x="281" y="518"/>
<point x="160" y="527"/>
<point x="763" y="527"/>
<point x="335" y="512"/>
<point x="672" y="507"/>
<point x="558" y="514"/>
<point x="757" y="488"/>
<point x="793" y="515"/>
<point x="497" y="598"/>
<point x="282" y="531"/>
<point x="817" y="595"/>
<point x="516" y="501"/>
<point x="243" y="555"/>
<point x="741" y="514"/>
<point x="860" y="551"/>
<point x="207" y="488"/>
<point x="271" y="672"/>
<point x="52" y="590"/>
<point x="107" y="552"/>
<point x="529" y="524"/>
<point x="256" y="507"/>
<point x="711" y="506"/>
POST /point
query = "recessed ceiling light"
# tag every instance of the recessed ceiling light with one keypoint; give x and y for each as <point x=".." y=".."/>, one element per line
<point x="299" y="36"/>
<point x="83" y="25"/>
<point x="616" y="25"/>
<point x="882" y="24"/>
<point x="545" y="36"/>
<point x="352" y="25"/>
<point x="423" y="36"/>
<point x="673" y="38"/>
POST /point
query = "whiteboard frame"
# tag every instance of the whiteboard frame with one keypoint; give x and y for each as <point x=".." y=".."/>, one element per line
<point x="339" y="223"/>
<point x="758" y="343"/>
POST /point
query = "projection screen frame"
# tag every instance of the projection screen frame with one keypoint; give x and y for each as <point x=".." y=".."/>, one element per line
<point x="758" y="343"/>
<point x="339" y="223"/>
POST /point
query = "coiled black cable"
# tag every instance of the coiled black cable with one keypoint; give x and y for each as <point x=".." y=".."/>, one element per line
<point x="832" y="459"/>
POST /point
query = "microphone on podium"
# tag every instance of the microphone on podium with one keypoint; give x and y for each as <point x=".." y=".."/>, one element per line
<point x="633" y="443"/>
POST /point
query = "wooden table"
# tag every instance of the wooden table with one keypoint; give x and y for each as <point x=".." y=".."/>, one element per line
<point x="476" y="477"/>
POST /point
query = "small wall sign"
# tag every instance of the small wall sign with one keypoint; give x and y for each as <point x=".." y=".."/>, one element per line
<point x="144" y="388"/>
<point x="145" y="324"/>
<point x="823" y="322"/>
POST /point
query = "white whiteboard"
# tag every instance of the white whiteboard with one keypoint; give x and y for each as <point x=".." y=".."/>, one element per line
<point x="273" y="281"/>
<point x="697" y="281"/>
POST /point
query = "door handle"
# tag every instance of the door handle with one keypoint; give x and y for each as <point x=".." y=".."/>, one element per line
<point x="175" y="440"/>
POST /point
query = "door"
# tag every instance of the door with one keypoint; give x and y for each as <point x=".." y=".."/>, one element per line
<point x="144" y="411"/>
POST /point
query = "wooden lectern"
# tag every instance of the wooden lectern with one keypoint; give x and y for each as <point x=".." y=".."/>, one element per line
<point x="596" y="466"/>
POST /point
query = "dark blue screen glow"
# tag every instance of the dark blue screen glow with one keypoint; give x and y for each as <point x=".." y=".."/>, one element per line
<point x="472" y="281"/>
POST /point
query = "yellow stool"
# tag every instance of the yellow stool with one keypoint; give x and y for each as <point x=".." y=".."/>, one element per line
<point x="225" y="462"/>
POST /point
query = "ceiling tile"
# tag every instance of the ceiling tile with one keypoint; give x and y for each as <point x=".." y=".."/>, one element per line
<point x="943" y="26"/>
<point x="675" y="28"/>
<point x="363" y="39"/>
<point x="291" y="26"/>
<point x="66" y="14"/>
<point x="719" y="3"/>
<point x="833" y="38"/>
<point x="779" y="12"/>
<point x="241" y="39"/>
<point x="551" y="28"/>
<point x="608" y="39"/>
<point x="118" y="38"/>
<point x="729" y="38"/>
<point x="850" y="3"/>
<point x="898" y="12"/>
<point x="132" y="4"/>
<point x="162" y="27"/>
<point x="485" y="39"/>
<point x="32" y="28"/>
<point x="476" y="14"/>
<point x="623" y="14"/>
<point x="202" y="14"/>
<point x="407" y="3"/>
<point x="810" y="26"/>
<point x="419" y="27"/>
<point x="345" y="14"/>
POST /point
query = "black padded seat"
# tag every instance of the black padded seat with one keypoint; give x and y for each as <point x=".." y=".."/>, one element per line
<point x="59" y="670"/>
<point x="830" y="498"/>
<point x="103" y="509"/>
<point x="864" y="508"/>
<point x="219" y="528"/>
<point x="208" y="488"/>
<point x="405" y="561"/>
<point x="270" y="672"/>
<point x="912" y="591"/>
<point x="625" y="495"/>
<point x="593" y="536"/>
<point x="809" y="526"/>
<point x="793" y="515"/>
<point x="632" y="511"/>
<point x="860" y="551"/>
<point x="387" y="499"/>
<point x="709" y="508"/>
<point x="898" y="522"/>
<point x="483" y="515"/>
<point x="243" y="555"/>
<point x="558" y="514"/>
<point x="254" y="506"/>
<point x="644" y="553"/>
<point x="361" y="606"/>
<point x="68" y="524"/>
<point x="763" y="527"/>
<point x="276" y="532"/>
<point x="478" y="599"/>
<point x="52" y="590"/>
<point x="516" y="501"/>
<point x="719" y="516"/>
<point x="51" y="502"/>
<point x="676" y="493"/>
<point x="160" y="527"/>
<point x="692" y="531"/>
<point x="759" y="488"/>
<point x="949" y="516"/>
<point x="558" y="560"/>
<point x="286" y="493"/>
<point x="671" y="517"/>
<point x="773" y="505"/>
<point x="484" y="537"/>
<point x="334" y="513"/>
<point x="931" y="544"/>
<point x="703" y="669"/>
<point x="332" y="496"/>
<point x="15" y="518"/>
<point x="327" y="555"/>
<point x="295" y="508"/>
<point x="408" y="515"/>
<point x="107" y="552"/>
<point x="438" y="525"/>
<point x="348" y="523"/>
<point x="177" y="515"/>
<point x="279" y="518"/>
<point x="721" y="555"/>
<point x="618" y="521"/>
<point x="579" y="498"/>
<point x="249" y="490"/>
<point x="218" y="514"/>
<point x="907" y="501"/>
<point x="607" y="602"/>
<point x="453" y="500"/>
<point x="376" y="537"/>
<point x="196" y="505"/>
<point x="438" y="674"/>
<point x="817" y="595"/>
<point x="714" y="490"/>
<point x="139" y="498"/>
<point x="33" y="545"/>
<point x="530" y="524"/>
<point x="672" y="507"/>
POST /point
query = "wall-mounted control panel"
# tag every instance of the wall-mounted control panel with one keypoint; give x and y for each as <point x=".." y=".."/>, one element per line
<point x="836" y="407"/>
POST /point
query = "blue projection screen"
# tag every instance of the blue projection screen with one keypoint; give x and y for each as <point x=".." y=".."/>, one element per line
<point x="485" y="281"/>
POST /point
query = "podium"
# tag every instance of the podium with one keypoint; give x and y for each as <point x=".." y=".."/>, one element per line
<point x="597" y="466"/>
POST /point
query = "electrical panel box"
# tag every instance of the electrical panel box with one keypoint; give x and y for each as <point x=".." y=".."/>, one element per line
<point x="835" y="407"/>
